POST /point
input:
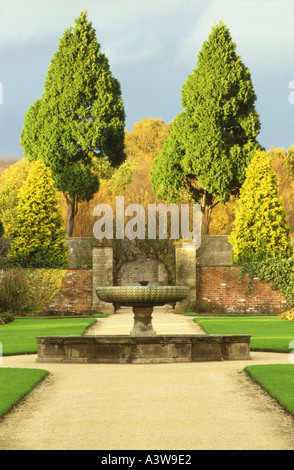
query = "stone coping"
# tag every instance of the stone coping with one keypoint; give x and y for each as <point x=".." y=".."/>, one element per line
<point x="124" y="349"/>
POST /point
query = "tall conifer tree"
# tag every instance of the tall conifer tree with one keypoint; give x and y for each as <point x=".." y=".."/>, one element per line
<point x="80" y="117"/>
<point x="214" y="138"/>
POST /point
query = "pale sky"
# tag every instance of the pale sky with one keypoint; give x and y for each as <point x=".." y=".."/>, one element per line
<point x="152" y="47"/>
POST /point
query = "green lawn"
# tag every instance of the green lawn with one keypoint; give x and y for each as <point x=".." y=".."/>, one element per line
<point x="277" y="380"/>
<point x="19" y="336"/>
<point x="267" y="333"/>
<point x="15" y="384"/>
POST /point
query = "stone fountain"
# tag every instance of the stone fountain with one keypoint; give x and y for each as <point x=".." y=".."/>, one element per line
<point x="143" y="345"/>
<point x="142" y="299"/>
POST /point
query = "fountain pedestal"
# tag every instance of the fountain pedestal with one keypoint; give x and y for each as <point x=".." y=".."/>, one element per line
<point x="143" y="322"/>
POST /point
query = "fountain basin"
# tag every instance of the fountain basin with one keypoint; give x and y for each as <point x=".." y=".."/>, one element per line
<point x="132" y="296"/>
<point x="123" y="349"/>
<point x="142" y="299"/>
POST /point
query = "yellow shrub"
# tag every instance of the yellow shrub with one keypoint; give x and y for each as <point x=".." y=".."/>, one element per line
<point x="289" y="315"/>
<point x="261" y="223"/>
<point x="38" y="237"/>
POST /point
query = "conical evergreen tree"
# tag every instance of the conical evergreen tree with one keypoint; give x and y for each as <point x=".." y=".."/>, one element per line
<point x="260" y="227"/>
<point x="214" y="137"/>
<point x="80" y="117"/>
<point x="38" y="237"/>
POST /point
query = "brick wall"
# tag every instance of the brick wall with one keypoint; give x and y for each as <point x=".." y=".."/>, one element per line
<point x="220" y="285"/>
<point x="216" y="285"/>
<point x="75" y="295"/>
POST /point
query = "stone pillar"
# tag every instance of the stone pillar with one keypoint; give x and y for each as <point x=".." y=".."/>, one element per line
<point x="186" y="273"/>
<point x="102" y="275"/>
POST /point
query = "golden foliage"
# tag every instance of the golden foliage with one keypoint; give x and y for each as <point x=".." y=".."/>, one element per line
<point x="38" y="236"/>
<point x="222" y="218"/>
<point x="6" y="162"/>
<point x="279" y="159"/>
<point x="11" y="182"/>
<point x="289" y="315"/>
<point x="261" y="223"/>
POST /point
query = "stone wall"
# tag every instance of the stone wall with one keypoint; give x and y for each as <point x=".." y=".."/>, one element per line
<point x="186" y="273"/>
<point x="102" y="276"/>
<point x="80" y="251"/>
<point x="142" y="269"/>
<point x="144" y="260"/>
<point x="215" y="250"/>
<point x="219" y="288"/>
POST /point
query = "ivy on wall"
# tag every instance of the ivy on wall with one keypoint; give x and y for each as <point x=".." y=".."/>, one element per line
<point x="279" y="271"/>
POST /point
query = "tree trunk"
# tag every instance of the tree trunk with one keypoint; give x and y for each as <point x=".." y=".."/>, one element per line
<point x="72" y="209"/>
<point x="207" y="205"/>
<point x="205" y="220"/>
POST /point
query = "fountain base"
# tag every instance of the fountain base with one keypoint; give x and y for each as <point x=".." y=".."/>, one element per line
<point x="122" y="349"/>
<point x="143" y="322"/>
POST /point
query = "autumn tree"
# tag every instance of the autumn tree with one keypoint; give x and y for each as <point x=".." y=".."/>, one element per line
<point x="38" y="236"/>
<point x="214" y="138"/>
<point x="80" y="117"/>
<point x="222" y="217"/>
<point x="6" y="161"/>
<point x="146" y="138"/>
<point x="143" y="143"/>
<point x="261" y="227"/>
<point x="280" y="160"/>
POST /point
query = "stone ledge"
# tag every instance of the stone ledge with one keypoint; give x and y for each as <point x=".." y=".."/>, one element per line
<point x="123" y="349"/>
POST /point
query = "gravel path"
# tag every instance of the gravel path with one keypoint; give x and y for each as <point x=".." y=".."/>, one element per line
<point x="187" y="406"/>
